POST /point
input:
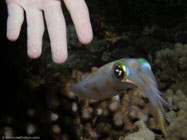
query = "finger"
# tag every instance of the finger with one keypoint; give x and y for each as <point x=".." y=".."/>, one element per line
<point x="80" y="16"/>
<point x="14" y="21"/>
<point x="35" y="30"/>
<point x="57" y="31"/>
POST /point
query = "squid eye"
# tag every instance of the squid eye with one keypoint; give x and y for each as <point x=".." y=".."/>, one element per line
<point x="119" y="72"/>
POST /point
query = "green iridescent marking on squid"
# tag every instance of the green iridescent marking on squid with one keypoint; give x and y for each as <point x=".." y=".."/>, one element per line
<point x="142" y="60"/>
<point x="144" y="63"/>
<point x="121" y="63"/>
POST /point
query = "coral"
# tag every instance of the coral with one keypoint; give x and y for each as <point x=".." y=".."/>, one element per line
<point x="86" y="112"/>
<point x="56" y="128"/>
<point x="94" y="119"/>
<point x="114" y="105"/>
<point x="177" y="118"/>
<point x="143" y="133"/>
<point x="54" y="116"/>
<point x="112" y="118"/>
<point x="131" y="106"/>
<point x="171" y="67"/>
<point x="118" y="118"/>
<point x="8" y="132"/>
<point x="91" y="132"/>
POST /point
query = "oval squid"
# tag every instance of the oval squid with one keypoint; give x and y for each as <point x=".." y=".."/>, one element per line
<point x="127" y="73"/>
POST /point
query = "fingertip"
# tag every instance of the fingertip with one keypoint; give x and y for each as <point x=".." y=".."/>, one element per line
<point x="57" y="32"/>
<point x="14" y="21"/>
<point x="12" y="35"/>
<point x="80" y="16"/>
<point x="84" y="31"/>
<point x="60" y="57"/>
<point x="34" y="50"/>
<point x="33" y="55"/>
<point x="35" y="30"/>
<point x="86" y="40"/>
<point x="85" y="36"/>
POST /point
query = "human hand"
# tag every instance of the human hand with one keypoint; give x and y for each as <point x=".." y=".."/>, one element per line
<point x="55" y="24"/>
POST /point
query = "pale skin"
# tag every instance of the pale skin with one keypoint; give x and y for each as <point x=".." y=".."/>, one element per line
<point x="55" y="21"/>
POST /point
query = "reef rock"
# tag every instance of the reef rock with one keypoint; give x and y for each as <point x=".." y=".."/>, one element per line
<point x="171" y="67"/>
<point x="177" y="118"/>
<point x="143" y="133"/>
